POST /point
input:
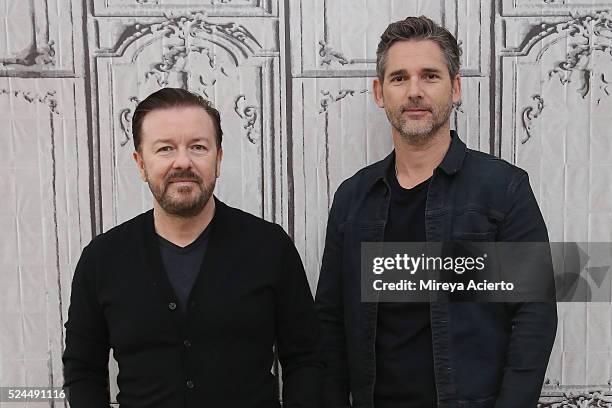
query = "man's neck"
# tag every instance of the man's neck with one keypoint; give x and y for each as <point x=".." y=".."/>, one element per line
<point x="415" y="163"/>
<point x="182" y="231"/>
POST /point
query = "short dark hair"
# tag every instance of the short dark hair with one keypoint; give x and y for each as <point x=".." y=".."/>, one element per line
<point x="167" y="98"/>
<point x="418" y="28"/>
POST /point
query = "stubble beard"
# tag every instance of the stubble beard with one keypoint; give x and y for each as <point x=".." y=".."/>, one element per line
<point x="180" y="203"/>
<point x="419" y="132"/>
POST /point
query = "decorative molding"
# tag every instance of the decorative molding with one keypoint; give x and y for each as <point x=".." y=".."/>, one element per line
<point x="595" y="31"/>
<point x="33" y="55"/>
<point x="205" y="85"/>
<point x="577" y="400"/>
<point x="594" y="34"/>
<point x="529" y="114"/>
<point x="47" y="99"/>
<point x="157" y="8"/>
<point x="39" y="52"/>
<point x="249" y="116"/>
<point x="186" y="27"/>
<point x="329" y="55"/>
<point x="328" y="98"/>
<point x="175" y="56"/>
<point x="125" y="121"/>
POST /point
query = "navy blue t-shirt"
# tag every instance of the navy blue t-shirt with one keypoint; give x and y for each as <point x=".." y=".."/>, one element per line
<point x="182" y="264"/>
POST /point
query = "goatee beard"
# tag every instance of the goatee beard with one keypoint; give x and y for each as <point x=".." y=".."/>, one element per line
<point x="182" y="207"/>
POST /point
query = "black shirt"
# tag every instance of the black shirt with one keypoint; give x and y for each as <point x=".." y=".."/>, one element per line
<point x="404" y="354"/>
<point x="182" y="264"/>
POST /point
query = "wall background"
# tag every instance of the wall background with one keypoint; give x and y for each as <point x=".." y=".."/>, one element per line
<point x="292" y="79"/>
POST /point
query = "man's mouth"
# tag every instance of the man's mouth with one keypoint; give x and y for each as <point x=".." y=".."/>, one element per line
<point x="416" y="110"/>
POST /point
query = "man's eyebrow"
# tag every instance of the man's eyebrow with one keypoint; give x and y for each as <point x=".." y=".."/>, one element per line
<point x="170" y="140"/>
<point x="397" y="72"/>
<point x="432" y="70"/>
<point x="162" y="140"/>
<point x="427" y="70"/>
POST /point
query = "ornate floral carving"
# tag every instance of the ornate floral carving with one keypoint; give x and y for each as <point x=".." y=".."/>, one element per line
<point x="592" y="34"/>
<point x="47" y="99"/>
<point x="329" y="98"/>
<point x="205" y="85"/>
<point x="33" y="55"/>
<point x="577" y="400"/>
<point x="529" y="114"/>
<point x="176" y="53"/>
<point x="329" y="55"/>
<point x="125" y="121"/>
<point x="248" y="114"/>
<point x="186" y="27"/>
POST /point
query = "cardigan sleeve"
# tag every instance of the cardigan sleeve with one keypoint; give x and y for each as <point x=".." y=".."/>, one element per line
<point x="297" y="334"/>
<point x="87" y="341"/>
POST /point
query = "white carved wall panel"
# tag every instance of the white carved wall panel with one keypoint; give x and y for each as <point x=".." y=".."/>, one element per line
<point x="233" y="65"/>
<point x="292" y="79"/>
<point x="554" y="121"/>
<point x="39" y="40"/>
<point x="45" y="222"/>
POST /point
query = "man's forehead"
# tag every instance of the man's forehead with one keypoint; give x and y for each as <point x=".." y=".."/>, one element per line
<point x="178" y="122"/>
<point x="424" y="53"/>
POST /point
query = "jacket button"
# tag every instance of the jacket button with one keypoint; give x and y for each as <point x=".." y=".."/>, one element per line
<point x="187" y="343"/>
<point x="172" y="306"/>
<point x="190" y="384"/>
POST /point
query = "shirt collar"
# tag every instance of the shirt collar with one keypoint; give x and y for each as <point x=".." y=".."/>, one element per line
<point x="451" y="163"/>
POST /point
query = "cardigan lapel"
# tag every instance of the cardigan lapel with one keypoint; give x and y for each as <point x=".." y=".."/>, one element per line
<point x="206" y="276"/>
<point x="159" y="277"/>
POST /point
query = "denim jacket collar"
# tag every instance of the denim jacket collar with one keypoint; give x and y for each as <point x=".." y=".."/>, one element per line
<point x="451" y="164"/>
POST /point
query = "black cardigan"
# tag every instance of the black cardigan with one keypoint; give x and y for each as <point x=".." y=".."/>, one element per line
<point x="251" y="292"/>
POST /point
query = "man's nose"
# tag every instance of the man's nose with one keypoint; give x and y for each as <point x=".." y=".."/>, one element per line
<point x="414" y="89"/>
<point x="182" y="159"/>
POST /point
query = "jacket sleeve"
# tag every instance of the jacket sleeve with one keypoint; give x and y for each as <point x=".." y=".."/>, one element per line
<point x="87" y="341"/>
<point x="297" y="334"/>
<point x="330" y="310"/>
<point x="533" y="325"/>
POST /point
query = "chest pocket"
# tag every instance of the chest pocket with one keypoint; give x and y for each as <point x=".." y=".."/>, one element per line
<point x="475" y="225"/>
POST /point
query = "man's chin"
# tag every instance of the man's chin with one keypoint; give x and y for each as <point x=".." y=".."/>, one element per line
<point x="185" y="207"/>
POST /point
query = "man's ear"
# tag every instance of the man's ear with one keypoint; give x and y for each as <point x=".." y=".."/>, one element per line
<point x="456" y="83"/>
<point x="219" y="158"/>
<point x="377" y="87"/>
<point x="137" y="156"/>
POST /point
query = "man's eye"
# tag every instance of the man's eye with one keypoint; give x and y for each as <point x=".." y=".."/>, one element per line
<point x="396" y="78"/>
<point x="198" y="147"/>
<point x="431" y="76"/>
<point x="164" y="149"/>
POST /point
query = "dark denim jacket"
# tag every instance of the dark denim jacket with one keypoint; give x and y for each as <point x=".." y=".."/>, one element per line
<point x="485" y="354"/>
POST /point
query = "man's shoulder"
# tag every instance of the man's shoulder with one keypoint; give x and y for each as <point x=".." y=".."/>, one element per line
<point x="122" y="235"/>
<point x="363" y="178"/>
<point x="248" y="225"/>
<point x="490" y="166"/>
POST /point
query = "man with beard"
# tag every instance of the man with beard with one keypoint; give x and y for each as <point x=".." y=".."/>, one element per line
<point x="192" y="295"/>
<point x="431" y="188"/>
